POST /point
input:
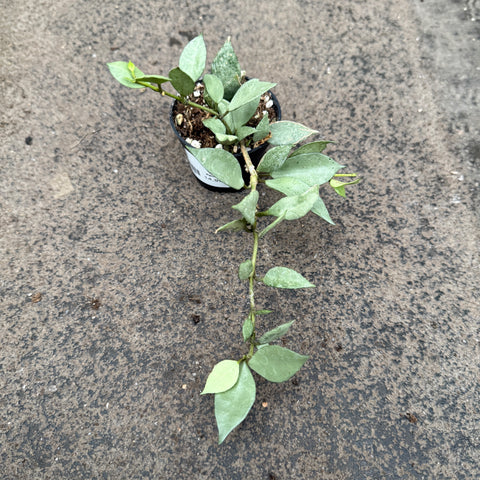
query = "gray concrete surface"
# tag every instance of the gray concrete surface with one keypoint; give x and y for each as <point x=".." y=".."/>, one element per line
<point x="108" y="257"/>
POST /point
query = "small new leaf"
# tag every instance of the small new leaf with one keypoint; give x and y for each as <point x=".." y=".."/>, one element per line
<point x="276" y="333"/>
<point x="248" y="206"/>
<point x="124" y="74"/>
<point x="247" y="328"/>
<point x="276" y="363"/>
<point x="223" y="377"/>
<point x="245" y="269"/>
<point x="339" y="187"/>
<point x="232" y="406"/>
<point x="282" y="277"/>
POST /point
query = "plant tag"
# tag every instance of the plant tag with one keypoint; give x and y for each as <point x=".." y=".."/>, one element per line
<point x="202" y="174"/>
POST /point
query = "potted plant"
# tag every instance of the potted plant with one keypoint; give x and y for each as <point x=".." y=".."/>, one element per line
<point x="233" y="115"/>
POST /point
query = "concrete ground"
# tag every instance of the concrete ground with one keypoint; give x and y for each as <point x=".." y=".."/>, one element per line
<point x="117" y="297"/>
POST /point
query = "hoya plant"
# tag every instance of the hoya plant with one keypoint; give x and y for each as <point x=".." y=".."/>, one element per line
<point x="295" y="169"/>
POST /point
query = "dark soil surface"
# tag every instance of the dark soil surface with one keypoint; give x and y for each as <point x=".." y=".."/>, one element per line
<point x="190" y="123"/>
<point x="117" y="298"/>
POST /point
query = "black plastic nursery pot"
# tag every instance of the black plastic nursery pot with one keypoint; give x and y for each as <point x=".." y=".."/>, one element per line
<point x="205" y="178"/>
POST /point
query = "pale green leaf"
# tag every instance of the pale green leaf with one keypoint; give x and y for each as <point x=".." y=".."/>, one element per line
<point x="221" y="164"/>
<point x="226" y="139"/>
<point x="214" y="87"/>
<point x="286" y="132"/>
<point x="276" y="333"/>
<point x="263" y="312"/>
<point x="282" y="277"/>
<point x="123" y="74"/>
<point x="234" y="226"/>
<point x="310" y="168"/>
<point x="245" y="269"/>
<point x="244" y="132"/>
<point x="320" y="209"/>
<point x="339" y="186"/>
<point x="295" y="206"/>
<point x="215" y="125"/>
<point x="232" y="406"/>
<point x="247" y="328"/>
<point x="248" y="92"/>
<point x="262" y="129"/>
<point x="276" y="363"/>
<point x="288" y="185"/>
<point x="274" y="158"/>
<point x="181" y="82"/>
<point x="226" y="67"/>
<point x="243" y="114"/>
<point x="248" y="206"/>
<point x="193" y="58"/>
<point x="158" y="79"/>
<point x="223" y="377"/>
<point x="313" y="147"/>
<point x="272" y="225"/>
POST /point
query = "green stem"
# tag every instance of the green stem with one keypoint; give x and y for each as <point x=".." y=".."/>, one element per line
<point x="251" y="279"/>
<point x="187" y="102"/>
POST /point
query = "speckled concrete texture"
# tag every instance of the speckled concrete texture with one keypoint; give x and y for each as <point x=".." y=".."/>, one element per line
<point x="117" y="297"/>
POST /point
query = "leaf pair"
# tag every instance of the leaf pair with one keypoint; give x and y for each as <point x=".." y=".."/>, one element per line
<point x="234" y="386"/>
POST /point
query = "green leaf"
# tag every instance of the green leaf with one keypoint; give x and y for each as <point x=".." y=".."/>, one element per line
<point x="310" y="168"/>
<point x="245" y="269"/>
<point x="339" y="187"/>
<point x="276" y="333"/>
<point x="263" y="312"/>
<point x="288" y="185"/>
<point x="232" y="406"/>
<point x="158" y="79"/>
<point x="286" y="132"/>
<point x="276" y="363"/>
<point x="123" y="74"/>
<point x="235" y="226"/>
<point x="243" y="114"/>
<point x="215" y="125"/>
<point x="225" y="139"/>
<point x="313" y="147"/>
<point x="263" y="129"/>
<point x="248" y="92"/>
<point x="181" y="82"/>
<point x="274" y="158"/>
<point x="272" y="225"/>
<point x="243" y="132"/>
<point x="320" y="209"/>
<point x="282" y="277"/>
<point x="223" y="377"/>
<point x="247" y="328"/>
<point x="221" y="164"/>
<point x="226" y="67"/>
<point x="193" y="58"/>
<point x="214" y="87"/>
<point x="248" y="206"/>
<point x="296" y="206"/>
